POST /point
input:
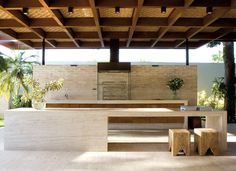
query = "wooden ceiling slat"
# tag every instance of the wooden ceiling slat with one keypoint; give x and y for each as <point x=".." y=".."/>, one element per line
<point x="58" y="17"/>
<point x="82" y="22"/>
<point x="114" y="3"/>
<point x="213" y="3"/>
<point x="6" y="23"/>
<point x="135" y="26"/>
<point x="115" y="21"/>
<point x="174" y="16"/>
<point x="136" y="14"/>
<point x="209" y="19"/>
<point x="18" y="4"/>
<point x="115" y="35"/>
<point x="96" y="20"/>
<point x="167" y="3"/>
<point x="26" y="36"/>
<point x="24" y="20"/>
<point x="73" y="3"/>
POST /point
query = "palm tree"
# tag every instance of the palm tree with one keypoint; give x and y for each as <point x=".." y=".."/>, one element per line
<point x="12" y="71"/>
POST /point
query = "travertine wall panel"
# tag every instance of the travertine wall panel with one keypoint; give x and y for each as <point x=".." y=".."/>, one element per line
<point x="80" y="81"/>
<point x="149" y="82"/>
<point x="144" y="81"/>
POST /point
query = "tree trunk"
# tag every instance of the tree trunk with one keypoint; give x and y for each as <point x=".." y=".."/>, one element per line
<point x="228" y="55"/>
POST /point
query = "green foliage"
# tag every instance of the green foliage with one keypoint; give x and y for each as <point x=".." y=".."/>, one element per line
<point x="37" y="92"/>
<point x="218" y="93"/>
<point x="205" y="100"/>
<point x="175" y="84"/>
<point x="219" y="88"/>
<point x="217" y="58"/>
<point x="18" y="102"/>
<point x="12" y="71"/>
<point x="213" y="44"/>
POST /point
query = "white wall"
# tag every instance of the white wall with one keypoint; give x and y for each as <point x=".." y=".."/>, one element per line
<point x="207" y="72"/>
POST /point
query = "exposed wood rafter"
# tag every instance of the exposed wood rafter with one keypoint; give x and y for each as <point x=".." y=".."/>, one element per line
<point x="209" y="19"/>
<point x="25" y="21"/>
<point x="96" y="20"/>
<point x="174" y="16"/>
<point x="136" y="14"/>
<point x="57" y="16"/>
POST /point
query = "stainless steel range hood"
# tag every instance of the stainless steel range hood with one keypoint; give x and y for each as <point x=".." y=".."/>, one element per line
<point x="114" y="65"/>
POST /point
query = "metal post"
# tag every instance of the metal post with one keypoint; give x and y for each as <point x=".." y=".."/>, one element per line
<point x="187" y="51"/>
<point x="43" y="52"/>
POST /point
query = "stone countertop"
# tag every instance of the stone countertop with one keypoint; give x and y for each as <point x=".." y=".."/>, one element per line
<point x="185" y="102"/>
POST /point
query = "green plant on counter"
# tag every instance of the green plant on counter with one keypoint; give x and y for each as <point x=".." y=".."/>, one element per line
<point x="175" y="84"/>
<point x="37" y="92"/>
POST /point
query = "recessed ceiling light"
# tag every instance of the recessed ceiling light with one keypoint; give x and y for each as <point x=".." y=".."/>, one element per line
<point x="117" y="10"/>
<point x="163" y="9"/>
<point x="70" y="10"/>
<point x="209" y="10"/>
<point x="25" y="11"/>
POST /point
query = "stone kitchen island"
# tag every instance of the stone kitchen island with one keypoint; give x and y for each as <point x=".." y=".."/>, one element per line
<point x="85" y="129"/>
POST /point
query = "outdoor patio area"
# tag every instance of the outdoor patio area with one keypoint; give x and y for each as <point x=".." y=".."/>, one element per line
<point x="141" y="160"/>
<point x="99" y="85"/>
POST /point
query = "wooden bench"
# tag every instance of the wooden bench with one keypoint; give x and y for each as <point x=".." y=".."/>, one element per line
<point x="179" y="141"/>
<point x="206" y="139"/>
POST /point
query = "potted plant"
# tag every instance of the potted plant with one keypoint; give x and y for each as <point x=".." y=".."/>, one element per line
<point x="38" y="93"/>
<point x="174" y="85"/>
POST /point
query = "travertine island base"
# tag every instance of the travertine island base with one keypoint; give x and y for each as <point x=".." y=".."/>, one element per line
<point x="85" y="129"/>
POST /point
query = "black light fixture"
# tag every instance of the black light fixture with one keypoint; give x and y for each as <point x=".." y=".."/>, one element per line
<point x="209" y="10"/>
<point x="25" y="11"/>
<point x="163" y="9"/>
<point x="70" y="10"/>
<point x="117" y="10"/>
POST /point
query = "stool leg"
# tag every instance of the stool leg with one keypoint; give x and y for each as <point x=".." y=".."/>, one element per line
<point x="170" y="141"/>
<point x="196" y="143"/>
<point x="215" y="150"/>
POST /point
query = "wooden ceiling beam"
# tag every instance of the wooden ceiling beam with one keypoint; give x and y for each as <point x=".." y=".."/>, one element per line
<point x="96" y="20"/>
<point x="167" y="3"/>
<point x="212" y="36"/>
<point x="115" y="35"/>
<point x="80" y="22"/>
<point x="143" y="21"/>
<point x="57" y="16"/>
<point x="57" y="4"/>
<point x="208" y="20"/>
<point x="19" y="17"/>
<point x="136" y="14"/>
<point x="213" y="3"/>
<point x="25" y="21"/>
<point x="116" y="3"/>
<point x="152" y="21"/>
<point x="19" y="4"/>
<point x="224" y="22"/>
<point x="116" y="22"/>
<point x="14" y="35"/>
<point x="6" y="23"/>
<point x="174" y="16"/>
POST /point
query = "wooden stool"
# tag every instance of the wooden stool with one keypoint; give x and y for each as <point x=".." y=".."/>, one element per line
<point x="205" y="139"/>
<point x="179" y="140"/>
